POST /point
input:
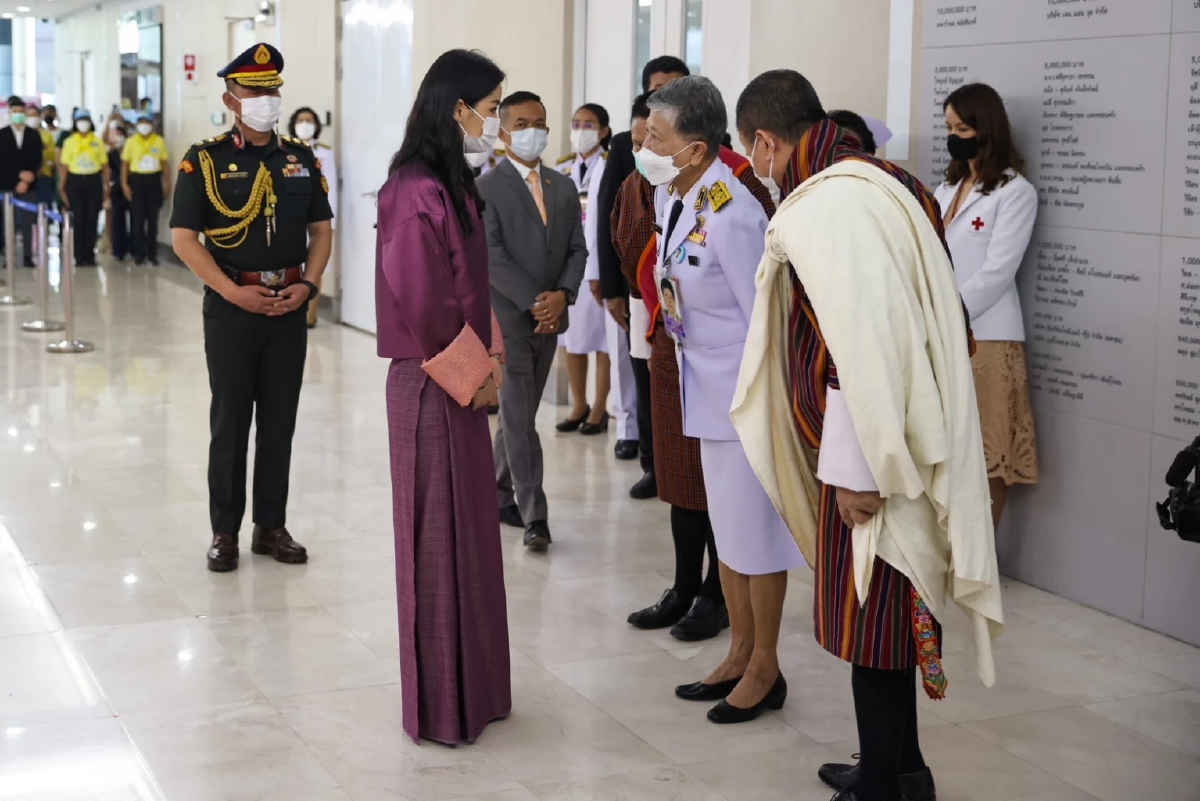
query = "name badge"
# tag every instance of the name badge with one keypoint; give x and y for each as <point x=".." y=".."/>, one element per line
<point x="672" y="308"/>
<point x="148" y="164"/>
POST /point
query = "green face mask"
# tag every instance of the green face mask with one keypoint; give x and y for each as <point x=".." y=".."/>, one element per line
<point x="17" y="118"/>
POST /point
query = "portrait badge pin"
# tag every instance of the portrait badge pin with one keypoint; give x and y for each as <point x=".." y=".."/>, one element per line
<point x="233" y="168"/>
<point x="292" y="158"/>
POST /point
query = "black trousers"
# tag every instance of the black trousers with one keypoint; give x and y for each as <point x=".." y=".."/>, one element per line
<point x="255" y="369"/>
<point x="885" y="706"/>
<point x="641" y="376"/>
<point x="118" y="232"/>
<point x="85" y="193"/>
<point x="23" y="223"/>
<point x="693" y="535"/>
<point x="147" y="202"/>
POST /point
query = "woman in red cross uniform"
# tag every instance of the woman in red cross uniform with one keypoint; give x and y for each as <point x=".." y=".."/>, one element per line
<point x="990" y="209"/>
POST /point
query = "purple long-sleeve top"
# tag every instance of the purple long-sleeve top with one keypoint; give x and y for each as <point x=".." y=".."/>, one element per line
<point x="431" y="277"/>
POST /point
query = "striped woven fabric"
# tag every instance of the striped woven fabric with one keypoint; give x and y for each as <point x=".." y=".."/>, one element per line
<point x="881" y="633"/>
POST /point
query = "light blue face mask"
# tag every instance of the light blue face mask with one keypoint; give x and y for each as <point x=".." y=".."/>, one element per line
<point x="530" y="143"/>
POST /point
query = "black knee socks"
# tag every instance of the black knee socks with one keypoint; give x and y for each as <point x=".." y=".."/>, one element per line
<point x="885" y="705"/>
<point x="692" y="532"/>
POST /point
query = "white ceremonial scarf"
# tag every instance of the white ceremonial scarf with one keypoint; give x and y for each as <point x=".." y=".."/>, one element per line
<point x="885" y="295"/>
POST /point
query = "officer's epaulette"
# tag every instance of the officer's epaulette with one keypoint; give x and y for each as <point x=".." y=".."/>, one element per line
<point x="499" y="152"/>
<point x="604" y="155"/>
<point x="203" y="143"/>
<point x="291" y="140"/>
<point x="718" y="195"/>
<point x="566" y="158"/>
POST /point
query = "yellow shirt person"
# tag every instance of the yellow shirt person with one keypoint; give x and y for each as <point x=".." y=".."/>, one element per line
<point x="145" y="180"/>
<point x="83" y="180"/>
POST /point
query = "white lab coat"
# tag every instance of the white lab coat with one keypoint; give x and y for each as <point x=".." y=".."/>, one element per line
<point x="329" y="170"/>
<point x="988" y="239"/>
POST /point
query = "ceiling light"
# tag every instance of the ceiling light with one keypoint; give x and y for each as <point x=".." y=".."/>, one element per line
<point x="12" y="431"/>
<point x="23" y="9"/>
<point x="89" y="525"/>
<point x="6" y="15"/>
<point x="130" y="578"/>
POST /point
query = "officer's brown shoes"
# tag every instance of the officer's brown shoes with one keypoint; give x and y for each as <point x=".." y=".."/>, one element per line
<point x="279" y="545"/>
<point x="223" y="553"/>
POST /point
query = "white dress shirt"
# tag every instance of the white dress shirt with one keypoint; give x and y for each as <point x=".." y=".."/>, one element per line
<point x="524" y="171"/>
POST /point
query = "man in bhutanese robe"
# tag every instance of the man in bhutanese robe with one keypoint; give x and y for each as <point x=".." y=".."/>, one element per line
<point x="856" y="407"/>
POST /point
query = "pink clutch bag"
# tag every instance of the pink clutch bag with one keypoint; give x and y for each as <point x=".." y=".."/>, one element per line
<point x="462" y="368"/>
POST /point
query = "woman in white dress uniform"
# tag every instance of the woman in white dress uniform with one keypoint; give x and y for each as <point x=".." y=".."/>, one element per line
<point x="990" y="210"/>
<point x="305" y="126"/>
<point x="712" y="242"/>
<point x="587" y="334"/>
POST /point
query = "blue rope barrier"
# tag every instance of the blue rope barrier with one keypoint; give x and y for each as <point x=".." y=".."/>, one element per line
<point x="54" y="216"/>
<point x="21" y="204"/>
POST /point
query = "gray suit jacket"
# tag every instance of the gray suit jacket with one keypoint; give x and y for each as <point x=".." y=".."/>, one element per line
<point x="525" y="256"/>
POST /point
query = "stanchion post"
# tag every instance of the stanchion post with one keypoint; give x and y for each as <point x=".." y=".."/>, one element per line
<point x="67" y="251"/>
<point x="10" y="298"/>
<point x="45" y="324"/>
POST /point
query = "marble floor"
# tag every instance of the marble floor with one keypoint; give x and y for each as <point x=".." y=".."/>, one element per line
<point x="129" y="672"/>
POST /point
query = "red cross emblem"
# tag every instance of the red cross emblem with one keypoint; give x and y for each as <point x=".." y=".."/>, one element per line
<point x="978" y="223"/>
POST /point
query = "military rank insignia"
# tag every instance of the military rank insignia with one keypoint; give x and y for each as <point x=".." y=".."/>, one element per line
<point x="325" y="184"/>
<point x="702" y="198"/>
<point x="719" y="195"/>
<point x="186" y="166"/>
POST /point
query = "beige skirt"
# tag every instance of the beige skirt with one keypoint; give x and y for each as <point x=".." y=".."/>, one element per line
<point x="1002" y="384"/>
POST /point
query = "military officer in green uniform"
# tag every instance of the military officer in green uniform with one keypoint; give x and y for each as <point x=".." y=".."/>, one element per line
<point x="262" y="205"/>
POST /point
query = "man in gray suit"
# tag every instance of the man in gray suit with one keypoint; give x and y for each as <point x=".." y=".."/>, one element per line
<point x="537" y="255"/>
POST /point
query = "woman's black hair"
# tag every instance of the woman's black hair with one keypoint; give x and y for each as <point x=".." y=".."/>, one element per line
<point x="857" y="126"/>
<point x="296" y="115"/>
<point x="601" y="115"/>
<point x="432" y="136"/>
<point x="666" y="286"/>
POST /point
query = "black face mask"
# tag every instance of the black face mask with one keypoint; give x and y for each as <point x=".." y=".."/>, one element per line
<point x="962" y="149"/>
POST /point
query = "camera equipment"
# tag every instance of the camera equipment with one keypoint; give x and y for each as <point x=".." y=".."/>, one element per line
<point x="1181" y="511"/>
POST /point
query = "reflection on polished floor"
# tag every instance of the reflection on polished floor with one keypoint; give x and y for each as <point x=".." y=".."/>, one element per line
<point x="129" y="672"/>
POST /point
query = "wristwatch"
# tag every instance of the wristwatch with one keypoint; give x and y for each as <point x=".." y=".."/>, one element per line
<point x="313" y="289"/>
<point x="568" y="294"/>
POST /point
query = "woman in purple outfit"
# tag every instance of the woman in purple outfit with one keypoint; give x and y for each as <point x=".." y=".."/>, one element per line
<point x="431" y="286"/>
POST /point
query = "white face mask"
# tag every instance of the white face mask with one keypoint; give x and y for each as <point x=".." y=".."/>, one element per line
<point x="119" y="141"/>
<point x="83" y="126"/>
<point x="658" y="169"/>
<point x="477" y="160"/>
<point x="260" y="113"/>
<point x="768" y="180"/>
<point x="481" y="144"/>
<point x="530" y="143"/>
<point x="306" y="130"/>
<point x="145" y="128"/>
<point x="584" y="141"/>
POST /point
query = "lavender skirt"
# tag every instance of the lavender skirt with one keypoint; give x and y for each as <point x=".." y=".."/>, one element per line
<point x="454" y="654"/>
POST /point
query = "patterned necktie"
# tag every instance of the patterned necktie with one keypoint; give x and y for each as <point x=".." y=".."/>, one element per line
<point x="535" y="186"/>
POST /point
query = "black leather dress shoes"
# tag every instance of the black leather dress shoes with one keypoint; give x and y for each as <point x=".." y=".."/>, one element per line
<point x="222" y="555"/>
<point x="703" y="621"/>
<point x="700" y="691"/>
<point x="671" y="607"/>
<point x="537" y="537"/>
<point x="572" y="424"/>
<point x="511" y="516"/>
<point x="627" y="449"/>
<point x="917" y="786"/>
<point x="278" y="544"/>
<point x="726" y="713"/>
<point x="645" y="488"/>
